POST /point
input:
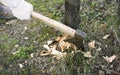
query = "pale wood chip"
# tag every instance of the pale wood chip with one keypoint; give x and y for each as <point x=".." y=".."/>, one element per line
<point x="91" y="44"/>
<point x="110" y="59"/>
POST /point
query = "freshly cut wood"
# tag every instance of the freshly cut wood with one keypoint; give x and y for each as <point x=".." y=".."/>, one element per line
<point x="59" y="26"/>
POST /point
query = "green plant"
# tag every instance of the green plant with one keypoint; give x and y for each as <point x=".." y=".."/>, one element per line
<point x="23" y="52"/>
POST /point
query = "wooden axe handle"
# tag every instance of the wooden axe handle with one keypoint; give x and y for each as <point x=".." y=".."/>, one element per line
<point x="59" y="26"/>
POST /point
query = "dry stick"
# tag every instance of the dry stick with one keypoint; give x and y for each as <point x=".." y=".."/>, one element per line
<point x="115" y="72"/>
<point x="116" y="36"/>
<point x="59" y="26"/>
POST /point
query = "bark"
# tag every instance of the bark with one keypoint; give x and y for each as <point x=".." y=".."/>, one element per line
<point x="72" y="14"/>
<point x="72" y="19"/>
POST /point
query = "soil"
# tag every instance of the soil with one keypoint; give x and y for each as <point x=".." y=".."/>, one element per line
<point x="22" y="33"/>
<point x="16" y="35"/>
<point x="16" y="30"/>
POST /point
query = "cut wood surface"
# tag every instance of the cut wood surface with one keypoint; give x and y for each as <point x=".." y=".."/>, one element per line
<point x="59" y="26"/>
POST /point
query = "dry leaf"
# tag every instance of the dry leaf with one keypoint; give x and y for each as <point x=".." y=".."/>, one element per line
<point x="49" y="42"/>
<point x="103" y="26"/>
<point x="64" y="45"/>
<point x="53" y="47"/>
<point x="87" y="54"/>
<point x="45" y="53"/>
<point x="110" y="59"/>
<point x="62" y="37"/>
<point x="1" y="29"/>
<point x="99" y="49"/>
<point x="57" y="54"/>
<point x="31" y="55"/>
<point x="43" y="72"/>
<point x="26" y="38"/>
<point x="26" y="28"/>
<point x="20" y="65"/>
<point x="51" y="51"/>
<point x="16" y="46"/>
<point x="91" y="44"/>
<point x="47" y="47"/>
<point x="106" y="36"/>
<point x="58" y="38"/>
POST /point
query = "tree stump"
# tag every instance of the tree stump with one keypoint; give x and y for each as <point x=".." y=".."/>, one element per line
<point x="72" y="19"/>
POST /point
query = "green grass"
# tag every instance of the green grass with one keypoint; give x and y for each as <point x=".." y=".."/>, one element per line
<point x="23" y="52"/>
<point x="8" y="43"/>
<point x="91" y="19"/>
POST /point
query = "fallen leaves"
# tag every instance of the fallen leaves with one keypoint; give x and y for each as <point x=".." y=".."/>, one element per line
<point x="103" y="26"/>
<point x="51" y="51"/>
<point x="110" y="59"/>
<point x="106" y="36"/>
<point x="91" y="44"/>
<point x="26" y="28"/>
<point x="64" y="45"/>
<point x="26" y="38"/>
<point x="44" y="53"/>
<point x="57" y="47"/>
<point x="16" y="46"/>
<point x="87" y="54"/>
<point x="1" y="29"/>
<point x="31" y="55"/>
<point x="21" y="65"/>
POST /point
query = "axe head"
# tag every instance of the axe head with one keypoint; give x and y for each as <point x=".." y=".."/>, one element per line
<point x="79" y="34"/>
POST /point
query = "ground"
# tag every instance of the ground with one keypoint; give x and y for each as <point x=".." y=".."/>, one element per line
<point x="21" y="42"/>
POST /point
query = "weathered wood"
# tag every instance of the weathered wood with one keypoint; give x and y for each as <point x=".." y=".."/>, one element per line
<point x="59" y="26"/>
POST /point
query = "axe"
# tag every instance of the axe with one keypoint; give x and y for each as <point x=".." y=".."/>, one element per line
<point x="59" y="26"/>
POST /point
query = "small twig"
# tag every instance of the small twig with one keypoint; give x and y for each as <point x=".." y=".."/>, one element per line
<point x="116" y="36"/>
<point x="112" y="71"/>
<point x="94" y="56"/>
<point x="115" y="72"/>
<point x="45" y="53"/>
